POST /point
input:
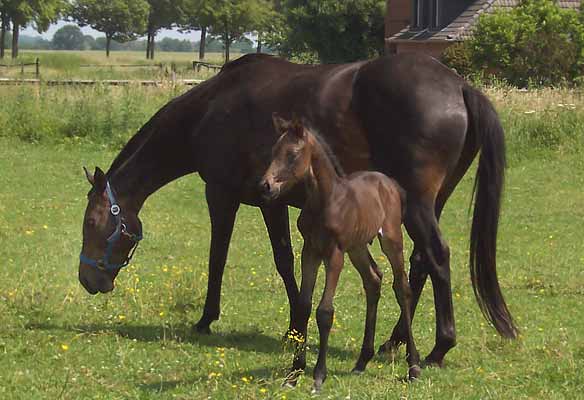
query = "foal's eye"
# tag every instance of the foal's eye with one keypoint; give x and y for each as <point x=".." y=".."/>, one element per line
<point x="290" y="157"/>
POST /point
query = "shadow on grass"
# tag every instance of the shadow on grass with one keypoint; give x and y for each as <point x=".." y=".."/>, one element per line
<point x="252" y="341"/>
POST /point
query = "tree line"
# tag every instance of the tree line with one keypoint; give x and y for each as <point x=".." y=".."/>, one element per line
<point x="315" y="30"/>
<point x="70" y="37"/>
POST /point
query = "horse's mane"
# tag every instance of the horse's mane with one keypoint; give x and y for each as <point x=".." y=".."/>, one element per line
<point x="327" y="150"/>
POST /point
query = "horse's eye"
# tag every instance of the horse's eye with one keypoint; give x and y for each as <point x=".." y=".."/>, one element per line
<point x="90" y="222"/>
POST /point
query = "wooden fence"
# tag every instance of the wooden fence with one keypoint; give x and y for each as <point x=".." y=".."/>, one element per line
<point x="198" y="64"/>
<point x="22" y="66"/>
<point x="91" y="82"/>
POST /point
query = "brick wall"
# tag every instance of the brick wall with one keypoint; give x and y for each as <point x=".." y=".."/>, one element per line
<point x="397" y="16"/>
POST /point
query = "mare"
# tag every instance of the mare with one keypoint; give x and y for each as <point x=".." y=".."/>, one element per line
<point x="407" y="116"/>
<point x="341" y="215"/>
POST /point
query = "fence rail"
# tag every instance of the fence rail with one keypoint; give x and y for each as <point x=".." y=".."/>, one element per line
<point x="22" y="66"/>
<point x="198" y="64"/>
<point x="160" y="65"/>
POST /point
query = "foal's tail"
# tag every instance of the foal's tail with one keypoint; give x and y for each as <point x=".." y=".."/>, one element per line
<point x="487" y="134"/>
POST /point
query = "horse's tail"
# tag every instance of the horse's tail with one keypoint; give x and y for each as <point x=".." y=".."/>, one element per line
<point x="487" y="134"/>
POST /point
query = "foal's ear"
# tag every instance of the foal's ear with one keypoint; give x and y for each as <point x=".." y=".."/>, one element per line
<point x="280" y="123"/>
<point x="297" y="127"/>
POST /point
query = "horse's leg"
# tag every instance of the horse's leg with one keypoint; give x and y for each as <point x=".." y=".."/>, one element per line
<point x="222" y="209"/>
<point x="371" y="278"/>
<point x="325" y="314"/>
<point x="418" y="276"/>
<point x="276" y="220"/>
<point x="310" y="263"/>
<point x="423" y="228"/>
<point x="392" y="246"/>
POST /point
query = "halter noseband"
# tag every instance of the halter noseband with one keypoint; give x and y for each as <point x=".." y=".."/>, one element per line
<point x="104" y="263"/>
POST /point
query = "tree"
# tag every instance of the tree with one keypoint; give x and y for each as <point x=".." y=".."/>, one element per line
<point x="163" y="14"/>
<point x="231" y="19"/>
<point x="120" y="20"/>
<point x="198" y="15"/>
<point x="334" y="31"/>
<point x="68" y="37"/>
<point x="38" y="13"/>
<point x="4" y="25"/>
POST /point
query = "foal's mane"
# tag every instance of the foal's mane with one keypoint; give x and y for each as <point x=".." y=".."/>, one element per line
<point x="326" y="149"/>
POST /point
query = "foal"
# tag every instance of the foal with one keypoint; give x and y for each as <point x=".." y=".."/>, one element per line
<point x="341" y="214"/>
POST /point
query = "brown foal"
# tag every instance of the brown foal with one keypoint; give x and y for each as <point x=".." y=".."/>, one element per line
<point x="341" y="214"/>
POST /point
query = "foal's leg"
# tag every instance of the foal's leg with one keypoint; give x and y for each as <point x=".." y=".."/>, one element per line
<point x="222" y="210"/>
<point x="310" y="263"/>
<point x="392" y="246"/>
<point x="276" y="220"/>
<point x="371" y="278"/>
<point x="325" y="314"/>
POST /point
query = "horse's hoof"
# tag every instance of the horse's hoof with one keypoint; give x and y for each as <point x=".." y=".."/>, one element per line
<point x="388" y="348"/>
<point x="289" y="384"/>
<point x="414" y="372"/>
<point x="429" y="362"/>
<point x="201" y="328"/>
<point x="357" y="371"/>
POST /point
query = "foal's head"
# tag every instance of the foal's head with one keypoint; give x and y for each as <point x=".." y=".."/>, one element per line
<point x="110" y="233"/>
<point x="290" y="158"/>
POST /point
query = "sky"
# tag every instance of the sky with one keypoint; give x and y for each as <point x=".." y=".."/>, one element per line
<point x="171" y="33"/>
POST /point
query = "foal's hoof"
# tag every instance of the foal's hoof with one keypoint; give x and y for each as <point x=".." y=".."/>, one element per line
<point x="292" y="378"/>
<point x="414" y="372"/>
<point x="316" y="388"/>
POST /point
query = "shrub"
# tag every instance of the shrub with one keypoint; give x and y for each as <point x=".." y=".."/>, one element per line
<point x="536" y="43"/>
<point x="459" y="57"/>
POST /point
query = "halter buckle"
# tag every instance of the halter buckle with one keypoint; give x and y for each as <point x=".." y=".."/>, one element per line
<point x="115" y="210"/>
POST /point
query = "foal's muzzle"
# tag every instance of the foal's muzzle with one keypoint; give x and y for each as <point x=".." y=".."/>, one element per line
<point x="268" y="191"/>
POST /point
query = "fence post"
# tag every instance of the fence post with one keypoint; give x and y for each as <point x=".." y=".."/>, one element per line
<point x="22" y="67"/>
<point x="38" y="68"/>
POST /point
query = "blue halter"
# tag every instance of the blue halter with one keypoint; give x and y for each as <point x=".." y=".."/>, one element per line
<point x="104" y="263"/>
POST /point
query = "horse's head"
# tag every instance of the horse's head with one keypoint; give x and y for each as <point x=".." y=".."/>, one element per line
<point x="110" y="236"/>
<point x="290" y="161"/>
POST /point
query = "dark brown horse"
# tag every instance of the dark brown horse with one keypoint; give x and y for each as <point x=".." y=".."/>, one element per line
<point x="407" y="116"/>
<point x="341" y="215"/>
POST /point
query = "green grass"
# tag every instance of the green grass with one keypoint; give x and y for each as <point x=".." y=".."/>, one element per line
<point x="56" y="341"/>
<point x="67" y="65"/>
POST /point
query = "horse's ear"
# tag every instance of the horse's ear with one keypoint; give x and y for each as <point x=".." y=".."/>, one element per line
<point x="99" y="180"/>
<point x="280" y="123"/>
<point x="89" y="177"/>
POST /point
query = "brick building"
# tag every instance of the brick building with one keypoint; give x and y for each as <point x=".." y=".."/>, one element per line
<point x="432" y="25"/>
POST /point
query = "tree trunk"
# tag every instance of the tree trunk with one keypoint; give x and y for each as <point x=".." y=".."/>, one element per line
<point x="148" y="46"/>
<point x="3" y="35"/>
<point x="203" y="43"/>
<point x="259" y="49"/>
<point x="152" y="42"/>
<point x="227" y="44"/>
<point x="108" y="42"/>
<point x="15" y="33"/>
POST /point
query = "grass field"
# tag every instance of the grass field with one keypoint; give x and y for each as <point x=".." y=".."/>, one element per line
<point x="68" y="65"/>
<point x="56" y="341"/>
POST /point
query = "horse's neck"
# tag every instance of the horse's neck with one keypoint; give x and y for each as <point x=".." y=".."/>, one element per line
<point x="157" y="155"/>
<point x="324" y="176"/>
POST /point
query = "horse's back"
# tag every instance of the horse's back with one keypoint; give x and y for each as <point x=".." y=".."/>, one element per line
<point x="413" y="112"/>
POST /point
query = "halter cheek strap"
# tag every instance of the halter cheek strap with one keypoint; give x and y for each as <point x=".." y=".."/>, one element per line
<point x="104" y="263"/>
